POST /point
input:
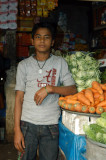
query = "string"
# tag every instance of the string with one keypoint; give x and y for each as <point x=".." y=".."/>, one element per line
<point x="44" y="62"/>
<point x="42" y="65"/>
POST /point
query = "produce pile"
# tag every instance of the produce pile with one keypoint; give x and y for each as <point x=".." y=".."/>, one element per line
<point x="84" y="69"/>
<point x="89" y="100"/>
<point x="97" y="131"/>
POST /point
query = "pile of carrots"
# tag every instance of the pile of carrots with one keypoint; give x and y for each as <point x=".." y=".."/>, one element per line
<point x="90" y="100"/>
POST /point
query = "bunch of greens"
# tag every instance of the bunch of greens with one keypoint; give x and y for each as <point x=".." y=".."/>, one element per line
<point x="97" y="131"/>
<point x="84" y="69"/>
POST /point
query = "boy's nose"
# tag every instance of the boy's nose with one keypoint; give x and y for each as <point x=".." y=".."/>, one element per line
<point x="42" y="38"/>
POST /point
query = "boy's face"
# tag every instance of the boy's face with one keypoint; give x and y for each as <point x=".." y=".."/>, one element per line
<point x="43" y="40"/>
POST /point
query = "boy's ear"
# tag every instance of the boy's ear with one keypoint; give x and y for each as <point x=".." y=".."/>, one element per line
<point x="32" y="42"/>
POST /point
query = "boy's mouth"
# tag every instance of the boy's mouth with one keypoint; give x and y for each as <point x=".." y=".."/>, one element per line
<point x="42" y="46"/>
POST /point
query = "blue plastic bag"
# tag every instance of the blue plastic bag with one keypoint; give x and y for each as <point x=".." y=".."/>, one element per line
<point x="73" y="146"/>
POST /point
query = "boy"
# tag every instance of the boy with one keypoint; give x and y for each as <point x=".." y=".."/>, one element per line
<point x="37" y="91"/>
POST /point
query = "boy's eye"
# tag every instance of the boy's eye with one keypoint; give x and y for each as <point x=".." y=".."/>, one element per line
<point x="37" y="37"/>
<point x="47" y="37"/>
<point x="42" y="37"/>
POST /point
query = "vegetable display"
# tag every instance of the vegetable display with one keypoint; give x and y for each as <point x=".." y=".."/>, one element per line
<point x="89" y="100"/>
<point x="97" y="131"/>
<point x="84" y="69"/>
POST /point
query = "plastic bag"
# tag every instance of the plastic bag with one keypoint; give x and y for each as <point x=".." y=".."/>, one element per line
<point x="73" y="146"/>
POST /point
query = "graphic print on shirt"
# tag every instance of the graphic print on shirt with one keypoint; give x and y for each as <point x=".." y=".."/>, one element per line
<point x="49" y="78"/>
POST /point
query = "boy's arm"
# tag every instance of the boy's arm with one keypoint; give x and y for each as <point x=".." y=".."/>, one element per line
<point x="61" y="90"/>
<point x="18" y="137"/>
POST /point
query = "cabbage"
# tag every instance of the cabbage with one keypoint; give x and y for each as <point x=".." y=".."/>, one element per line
<point x="74" y="70"/>
<point x="74" y="63"/>
<point x="90" y="73"/>
<point x="84" y="69"/>
<point x="80" y="88"/>
<point x="80" y="82"/>
<point x="72" y="57"/>
<point x="81" y="67"/>
<point x="89" y="82"/>
<point x="81" y="74"/>
<point x="79" y="54"/>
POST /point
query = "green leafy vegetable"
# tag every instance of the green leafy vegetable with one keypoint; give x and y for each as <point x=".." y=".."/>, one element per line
<point x="101" y="122"/>
<point x="89" y="132"/>
<point x="97" y="131"/>
<point x="97" y="128"/>
<point x="103" y="115"/>
<point x="104" y="138"/>
<point x="99" y="137"/>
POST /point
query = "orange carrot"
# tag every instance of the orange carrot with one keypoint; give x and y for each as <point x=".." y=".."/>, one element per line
<point x="70" y="96"/>
<point x="96" y="95"/>
<point x="71" y="107"/>
<point x="101" y="98"/>
<point x="99" y="110"/>
<point x="62" y="98"/>
<point x="103" y="86"/>
<point x="89" y="95"/>
<point x="78" y="107"/>
<point x="103" y="103"/>
<point x="92" y="109"/>
<point x="97" y="101"/>
<point x="83" y="99"/>
<point x="96" y="85"/>
<point x="71" y="101"/>
<point x="73" y="97"/>
<point x="93" y="90"/>
<point x="85" y="109"/>
<point x="61" y="102"/>
<point x="104" y="95"/>
<point x="65" y="105"/>
<point x="83" y="90"/>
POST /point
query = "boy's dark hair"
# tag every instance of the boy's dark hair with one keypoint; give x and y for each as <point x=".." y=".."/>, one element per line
<point x="51" y="26"/>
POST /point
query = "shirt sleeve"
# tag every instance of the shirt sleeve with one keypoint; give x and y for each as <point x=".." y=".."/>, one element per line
<point x="66" y="77"/>
<point x="20" y="77"/>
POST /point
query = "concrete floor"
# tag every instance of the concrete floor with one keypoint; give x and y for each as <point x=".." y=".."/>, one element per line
<point x="8" y="152"/>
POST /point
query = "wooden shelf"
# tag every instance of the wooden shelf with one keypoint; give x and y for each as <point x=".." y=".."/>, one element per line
<point x="25" y="18"/>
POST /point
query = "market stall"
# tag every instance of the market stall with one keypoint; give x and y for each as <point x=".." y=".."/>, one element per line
<point x="79" y="42"/>
<point x="84" y="107"/>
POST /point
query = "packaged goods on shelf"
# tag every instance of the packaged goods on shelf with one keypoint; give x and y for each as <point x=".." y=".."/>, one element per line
<point x="8" y="12"/>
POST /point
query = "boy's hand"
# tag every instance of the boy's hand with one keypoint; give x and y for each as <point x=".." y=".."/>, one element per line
<point x="41" y="94"/>
<point x="19" y="140"/>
